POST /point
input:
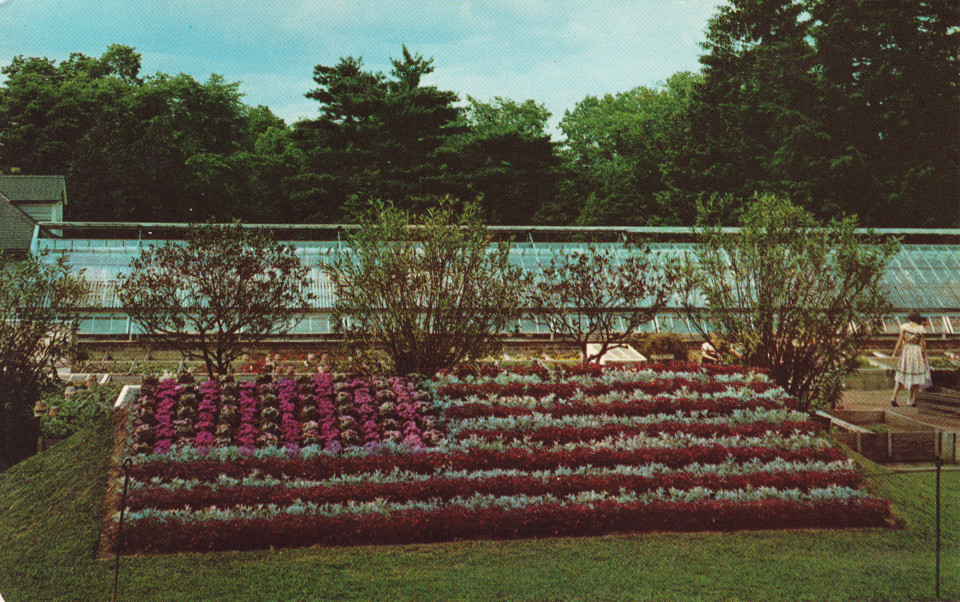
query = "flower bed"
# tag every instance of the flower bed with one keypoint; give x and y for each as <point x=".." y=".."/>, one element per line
<point x="488" y="453"/>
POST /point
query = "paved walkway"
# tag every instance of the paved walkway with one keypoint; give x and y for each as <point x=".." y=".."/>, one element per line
<point x="880" y="400"/>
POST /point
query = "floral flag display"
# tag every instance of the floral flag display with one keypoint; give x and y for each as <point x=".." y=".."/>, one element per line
<point x="477" y="453"/>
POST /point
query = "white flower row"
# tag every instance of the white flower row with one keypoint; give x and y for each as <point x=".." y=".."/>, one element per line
<point x="482" y="501"/>
<point x="728" y="468"/>
<point x="548" y="401"/>
<point x="188" y="453"/>
<point x="776" y="441"/>
<point x="609" y="376"/>
<point x="539" y="420"/>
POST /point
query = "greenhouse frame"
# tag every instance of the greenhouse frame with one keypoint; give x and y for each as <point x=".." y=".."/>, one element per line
<point x="923" y="276"/>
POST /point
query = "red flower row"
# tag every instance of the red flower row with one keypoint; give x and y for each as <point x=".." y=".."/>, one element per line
<point x="446" y="489"/>
<point x="474" y="459"/>
<point x="573" y="434"/>
<point x="720" y="406"/>
<point x="457" y="522"/>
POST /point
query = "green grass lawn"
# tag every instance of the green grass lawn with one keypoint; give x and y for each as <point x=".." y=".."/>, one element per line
<point x="51" y="506"/>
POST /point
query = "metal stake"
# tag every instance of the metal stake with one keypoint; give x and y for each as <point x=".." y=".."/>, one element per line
<point x="939" y="462"/>
<point x="127" y="464"/>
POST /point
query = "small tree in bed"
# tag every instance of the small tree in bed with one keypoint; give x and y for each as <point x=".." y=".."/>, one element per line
<point x="431" y="292"/>
<point x="38" y="321"/>
<point x="600" y="294"/>
<point x="225" y="288"/>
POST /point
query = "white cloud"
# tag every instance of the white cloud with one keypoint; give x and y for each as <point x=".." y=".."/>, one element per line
<point x="552" y="51"/>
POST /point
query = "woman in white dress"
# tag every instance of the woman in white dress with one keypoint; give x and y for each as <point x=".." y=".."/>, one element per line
<point x="910" y="356"/>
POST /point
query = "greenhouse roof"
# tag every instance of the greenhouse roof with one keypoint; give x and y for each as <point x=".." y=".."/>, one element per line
<point x="922" y="276"/>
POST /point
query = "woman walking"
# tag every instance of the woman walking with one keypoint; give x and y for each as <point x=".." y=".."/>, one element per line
<point x="910" y="357"/>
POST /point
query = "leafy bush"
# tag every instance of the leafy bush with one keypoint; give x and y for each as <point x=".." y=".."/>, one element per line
<point x="85" y="407"/>
<point x="661" y="343"/>
<point x="798" y="297"/>
<point x="601" y="294"/>
<point x="431" y="293"/>
<point x="226" y="289"/>
<point x="38" y="297"/>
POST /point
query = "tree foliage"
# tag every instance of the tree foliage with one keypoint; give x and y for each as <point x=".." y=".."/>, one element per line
<point x="223" y="289"/>
<point x="601" y="295"/>
<point x="377" y="137"/>
<point x="617" y="150"/>
<point x="133" y="147"/>
<point x="431" y="292"/>
<point x="507" y="161"/>
<point x="799" y="298"/>
<point x="845" y="107"/>
<point x="38" y="301"/>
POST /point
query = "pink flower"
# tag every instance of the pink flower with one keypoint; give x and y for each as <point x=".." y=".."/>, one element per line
<point x="168" y="392"/>
<point x="289" y="396"/>
<point x="408" y="410"/>
<point x="206" y="413"/>
<point x="329" y="434"/>
<point x="248" y="431"/>
<point x="363" y="402"/>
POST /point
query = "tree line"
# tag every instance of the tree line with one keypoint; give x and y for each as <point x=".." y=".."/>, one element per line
<point x="843" y="106"/>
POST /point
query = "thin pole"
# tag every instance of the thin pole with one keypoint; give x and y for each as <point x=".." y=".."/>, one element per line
<point x="939" y="462"/>
<point x="119" y="543"/>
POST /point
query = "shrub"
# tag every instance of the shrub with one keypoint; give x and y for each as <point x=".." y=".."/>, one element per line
<point x="431" y="293"/>
<point x="797" y="297"/>
<point x="225" y="289"/>
<point x="602" y="294"/>
<point x="37" y="325"/>
<point x="661" y="343"/>
<point x="84" y="408"/>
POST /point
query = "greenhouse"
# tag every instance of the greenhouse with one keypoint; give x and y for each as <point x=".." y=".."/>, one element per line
<point x="923" y="276"/>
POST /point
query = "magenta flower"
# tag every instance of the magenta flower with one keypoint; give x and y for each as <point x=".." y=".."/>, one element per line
<point x="329" y="434"/>
<point x="168" y="392"/>
<point x="363" y="402"/>
<point x="248" y="430"/>
<point x="289" y="397"/>
<point x="206" y="413"/>
<point x="408" y="410"/>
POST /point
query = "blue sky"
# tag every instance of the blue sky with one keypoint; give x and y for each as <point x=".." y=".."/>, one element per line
<point x="555" y="52"/>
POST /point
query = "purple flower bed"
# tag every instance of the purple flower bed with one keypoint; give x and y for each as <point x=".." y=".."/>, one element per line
<point x="332" y="412"/>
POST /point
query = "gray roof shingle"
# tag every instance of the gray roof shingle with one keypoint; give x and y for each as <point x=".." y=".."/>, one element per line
<point x="16" y="227"/>
<point x="33" y="189"/>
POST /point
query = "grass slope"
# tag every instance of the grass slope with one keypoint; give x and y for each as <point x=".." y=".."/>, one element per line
<point x="51" y="505"/>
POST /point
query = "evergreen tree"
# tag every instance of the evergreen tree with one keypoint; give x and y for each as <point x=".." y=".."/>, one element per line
<point x="376" y="137"/>
<point x="507" y="160"/>
<point x="890" y="88"/>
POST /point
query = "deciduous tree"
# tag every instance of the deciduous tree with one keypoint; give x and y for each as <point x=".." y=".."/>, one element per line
<point x="223" y="289"/>
<point x="431" y="292"/>
<point x="38" y="320"/>
<point x="601" y="294"/>
<point x="799" y="298"/>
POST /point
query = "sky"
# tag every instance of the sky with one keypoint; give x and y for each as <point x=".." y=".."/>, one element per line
<point x="555" y="52"/>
